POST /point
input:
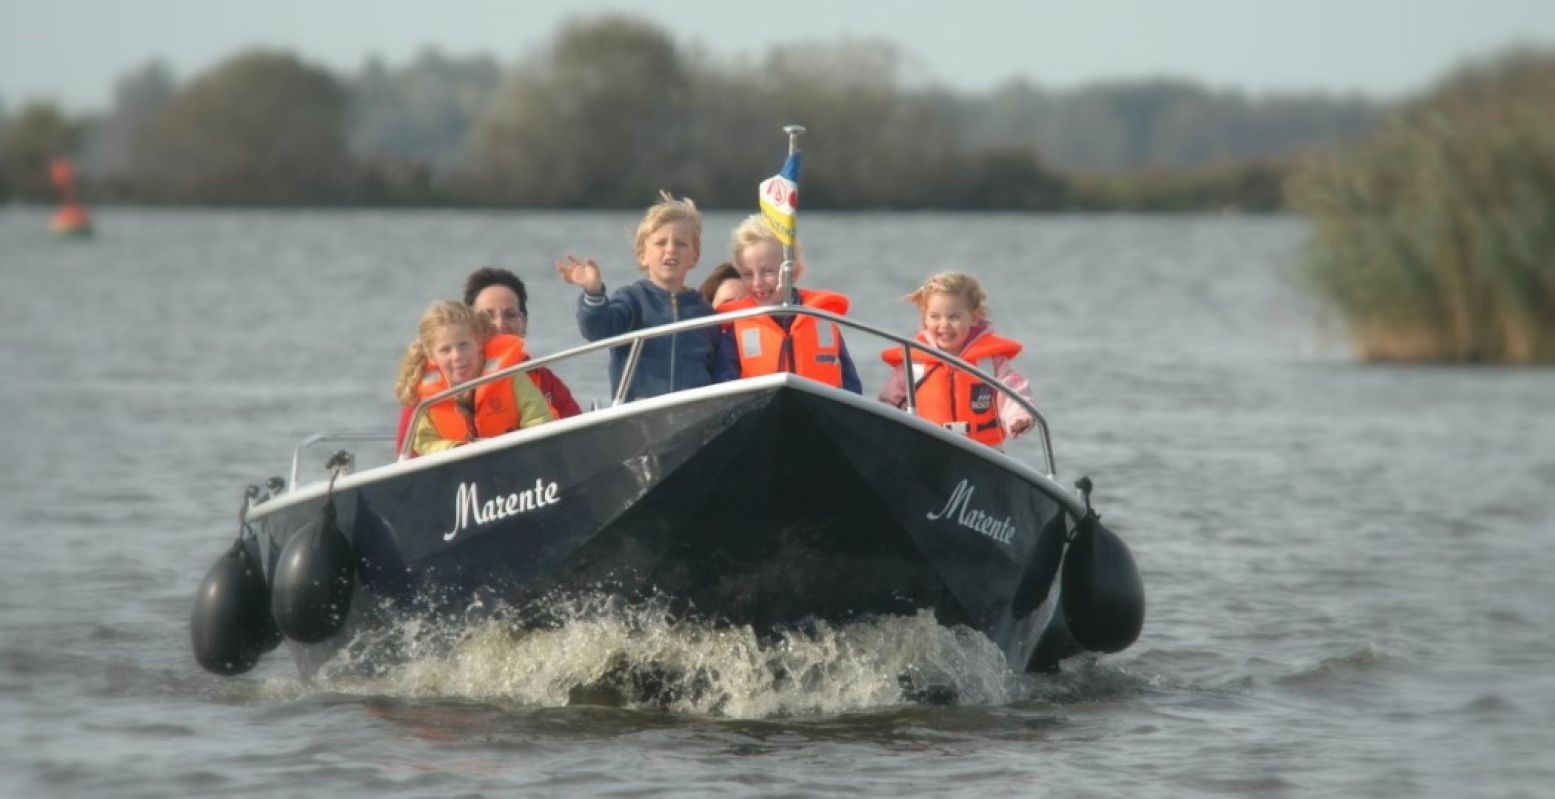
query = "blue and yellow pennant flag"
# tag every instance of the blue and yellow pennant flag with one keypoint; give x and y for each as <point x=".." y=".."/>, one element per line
<point x="780" y="201"/>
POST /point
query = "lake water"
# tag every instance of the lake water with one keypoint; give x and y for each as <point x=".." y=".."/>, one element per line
<point x="1348" y="567"/>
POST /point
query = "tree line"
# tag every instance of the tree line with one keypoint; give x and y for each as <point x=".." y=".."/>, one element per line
<point x="612" y="109"/>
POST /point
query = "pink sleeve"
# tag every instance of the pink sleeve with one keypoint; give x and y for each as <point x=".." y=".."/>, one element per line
<point x="895" y="390"/>
<point x="1009" y="411"/>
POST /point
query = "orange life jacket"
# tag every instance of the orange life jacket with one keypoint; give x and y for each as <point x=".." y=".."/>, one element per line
<point x="947" y="396"/>
<point x="810" y="347"/>
<point x="496" y="406"/>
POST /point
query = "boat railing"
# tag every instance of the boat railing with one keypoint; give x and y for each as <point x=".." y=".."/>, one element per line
<point x="321" y="438"/>
<point x="634" y="339"/>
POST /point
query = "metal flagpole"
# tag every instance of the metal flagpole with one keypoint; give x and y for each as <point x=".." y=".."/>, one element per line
<point x="786" y="272"/>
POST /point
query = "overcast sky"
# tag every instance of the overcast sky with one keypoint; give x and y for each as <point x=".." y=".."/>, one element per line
<point x="73" y="50"/>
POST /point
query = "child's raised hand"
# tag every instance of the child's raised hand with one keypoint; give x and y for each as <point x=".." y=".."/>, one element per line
<point x="1020" y="425"/>
<point x="583" y="274"/>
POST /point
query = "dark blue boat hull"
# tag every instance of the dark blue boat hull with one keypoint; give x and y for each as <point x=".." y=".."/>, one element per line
<point x="768" y="507"/>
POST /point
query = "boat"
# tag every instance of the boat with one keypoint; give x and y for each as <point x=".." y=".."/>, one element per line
<point x="769" y="503"/>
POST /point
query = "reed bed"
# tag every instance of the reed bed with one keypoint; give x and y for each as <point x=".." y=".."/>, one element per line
<point x="1435" y="239"/>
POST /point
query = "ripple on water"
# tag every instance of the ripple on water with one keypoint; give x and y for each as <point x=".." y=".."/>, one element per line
<point x="1351" y="673"/>
<point x="1487" y="706"/>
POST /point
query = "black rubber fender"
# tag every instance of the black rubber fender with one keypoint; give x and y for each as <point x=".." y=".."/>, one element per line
<point x="315" y="576"/>
<point x="230" y="626"/>
<point x="1103" y="595"/>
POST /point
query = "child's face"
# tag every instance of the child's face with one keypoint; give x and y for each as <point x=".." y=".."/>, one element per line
<point x="948" y="320"/>
<point x="668" y="254"/>
<point x="759" y="265"/>
<point x="457" y="352"/>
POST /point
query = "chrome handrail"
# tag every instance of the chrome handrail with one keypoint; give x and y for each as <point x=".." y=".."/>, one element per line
<point x="637" y="337"/>
<point x="319" y="438"/>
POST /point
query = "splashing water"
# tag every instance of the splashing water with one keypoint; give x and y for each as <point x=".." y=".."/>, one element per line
<point x="604" y="651"/>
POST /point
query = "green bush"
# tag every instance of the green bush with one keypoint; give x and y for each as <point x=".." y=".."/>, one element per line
<point x="1435" y="239"/>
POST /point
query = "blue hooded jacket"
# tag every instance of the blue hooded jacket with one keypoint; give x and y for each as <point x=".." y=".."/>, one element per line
<point x="668" y="363"/>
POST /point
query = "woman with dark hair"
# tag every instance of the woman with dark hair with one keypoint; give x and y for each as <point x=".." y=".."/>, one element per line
<point x="723" y="285"/>
<point x="500" y="296"/>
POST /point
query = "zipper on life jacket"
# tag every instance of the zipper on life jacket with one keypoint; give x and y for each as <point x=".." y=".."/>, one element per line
<point x="786" y="327"/>
<point x="468" y="412"/>
<point x="950" y="388"/>
<point x="675" y="338"/>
